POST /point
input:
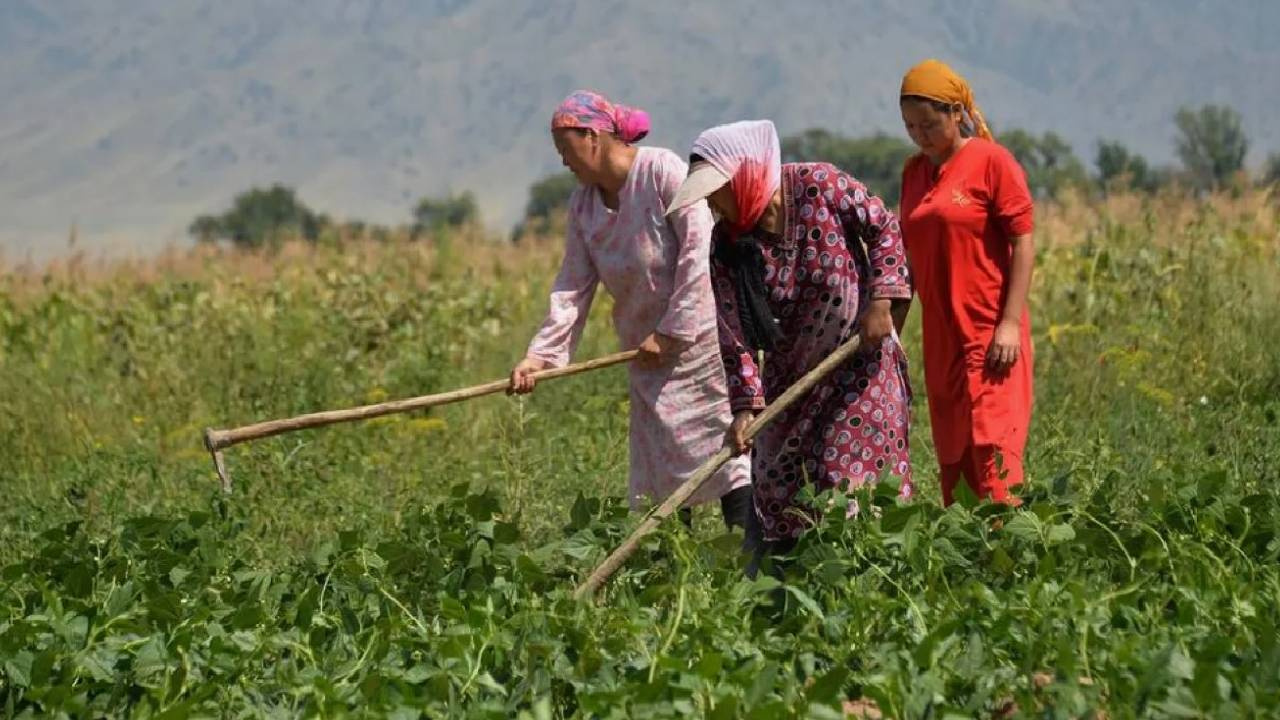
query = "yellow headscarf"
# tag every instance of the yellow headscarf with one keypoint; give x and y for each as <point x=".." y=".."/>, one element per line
<point x="936" y="80"/>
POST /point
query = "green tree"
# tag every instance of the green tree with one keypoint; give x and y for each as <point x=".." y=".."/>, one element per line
<point x="434" y="214"/>
<point x="549" y="195"/>
<point x="1271" y="171"/>
<point x="260" y="217"/>
<point x="1211" y="144"/>
<point x="875" y="160"/>
<point x="1048" y="160"/>
<point x="1117" y="167"/>
<point x="206" y="228"/>
<point x="548" y="199"/>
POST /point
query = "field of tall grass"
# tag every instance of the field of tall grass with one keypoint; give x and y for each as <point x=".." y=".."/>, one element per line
<point x="419" y="564"/>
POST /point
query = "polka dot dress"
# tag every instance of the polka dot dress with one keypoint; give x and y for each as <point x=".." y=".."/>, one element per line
<point x="852" y="428"/>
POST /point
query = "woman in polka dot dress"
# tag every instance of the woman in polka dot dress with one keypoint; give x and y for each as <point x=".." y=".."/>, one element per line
<point x="804" y="257"/>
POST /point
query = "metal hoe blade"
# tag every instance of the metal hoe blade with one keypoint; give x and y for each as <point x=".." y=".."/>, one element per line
<point x="219" y="464"/>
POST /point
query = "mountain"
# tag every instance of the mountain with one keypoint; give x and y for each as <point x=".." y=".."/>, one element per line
<point x="128" y="118"/>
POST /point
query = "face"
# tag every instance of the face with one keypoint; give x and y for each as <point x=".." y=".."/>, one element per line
<point x="936" y="133"/>
<point x="723" y="204"/>
<point x="579" y="151"/>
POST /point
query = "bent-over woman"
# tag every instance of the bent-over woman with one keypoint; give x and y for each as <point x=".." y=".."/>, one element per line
<point x="804" y="257"/>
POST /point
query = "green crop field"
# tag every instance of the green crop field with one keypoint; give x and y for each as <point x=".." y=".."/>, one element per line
<point x="422" y="565"/>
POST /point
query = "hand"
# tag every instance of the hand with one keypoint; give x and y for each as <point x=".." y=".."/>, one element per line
<point x="899" y="311"/>
<point x="735" y="438"/>
<point x="522" y="380"/>
<point x="1003" y="352"/>
<point x="656" y="351"/>
<point x="877" y="323"/>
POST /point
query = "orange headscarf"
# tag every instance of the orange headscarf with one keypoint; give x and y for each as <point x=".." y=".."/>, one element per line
<point x="936" y="80"/>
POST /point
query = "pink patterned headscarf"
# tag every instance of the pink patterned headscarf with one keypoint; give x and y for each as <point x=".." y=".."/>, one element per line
<point x="592" y="111"/>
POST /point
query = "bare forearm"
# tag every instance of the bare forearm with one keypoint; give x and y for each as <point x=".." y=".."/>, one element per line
<point x="1020" y="271"/>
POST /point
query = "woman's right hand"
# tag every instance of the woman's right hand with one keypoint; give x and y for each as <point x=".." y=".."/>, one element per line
<point x="735" y="438"/>
<point x="522" y="380"/>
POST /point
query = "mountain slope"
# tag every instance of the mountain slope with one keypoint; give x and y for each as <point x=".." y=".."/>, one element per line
<point x="129" y="118"/>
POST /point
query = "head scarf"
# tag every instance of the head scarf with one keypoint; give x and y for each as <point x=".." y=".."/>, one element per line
<point x="588" y="110"/>
<point x="749" y="154"/>
<point x="935" y="80"/>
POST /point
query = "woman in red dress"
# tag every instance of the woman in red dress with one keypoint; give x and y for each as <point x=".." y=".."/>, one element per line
<point x="966" y="217"/>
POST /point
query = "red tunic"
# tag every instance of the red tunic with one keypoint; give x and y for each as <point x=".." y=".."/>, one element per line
<point x="956" y="225"/>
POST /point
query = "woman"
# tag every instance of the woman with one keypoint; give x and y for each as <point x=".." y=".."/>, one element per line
<point x="804" y="257"/>
<point x="967" y="221"/>
<point x="656" y="269"/>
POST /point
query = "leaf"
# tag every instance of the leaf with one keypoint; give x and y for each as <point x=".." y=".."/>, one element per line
<point x="828" y="687"/>
<point x="726" y="709"/>
<point x="483" y="506"/>
<point x="972" y="663"/>
<point x="119" y="600"/>
<point x="763" y="684"/>
<point x="99" y="663"/>
<point x="1168" y="664"/>
<point x="1024" y="526"/>
<point x="926" y="652"/>
<point x="1060" y="533"/>
<point x="506" y="533"/>
<point x="1204" y="685"/>
<point x="178" y="574"/>
<point x="709" y="665"/>
<point x="895" y="517"/>
<point x="1181" y="666"/>
<point x="42" y="668"/>
<point x="150" y="658"/>
<point x="1209" y="488"/>
<point x="808" y="602"/>
<point x="580" y="514"/>
<point x="452" y="609"/>
<point x="416" y="674"/>
<point x="18" y="668"/>
<point x="964" y="497"/>
<point x="1001" y="560"/>
<point x="78" y="581"/>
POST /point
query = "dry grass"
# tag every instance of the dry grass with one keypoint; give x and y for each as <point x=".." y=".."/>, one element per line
<point x="481" y="253"/>
<point x="1071" y="220"/>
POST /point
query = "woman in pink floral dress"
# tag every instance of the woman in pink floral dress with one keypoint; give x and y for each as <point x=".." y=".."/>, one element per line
<point x="804" y="257"/>
<point x="656" y="269"/>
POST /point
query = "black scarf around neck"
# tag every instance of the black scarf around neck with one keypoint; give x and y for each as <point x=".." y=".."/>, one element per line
<point x="744" y="259"/>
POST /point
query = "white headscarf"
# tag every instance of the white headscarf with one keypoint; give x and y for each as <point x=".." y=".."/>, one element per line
<point x="725" y="148"/>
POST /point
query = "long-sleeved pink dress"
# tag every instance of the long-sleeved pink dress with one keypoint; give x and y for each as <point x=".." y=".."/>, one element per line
<point x="656" y="268"/>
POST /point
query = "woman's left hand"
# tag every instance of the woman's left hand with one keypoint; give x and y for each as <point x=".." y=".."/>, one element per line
<point x="657" y="351"/>
<point x="877" y="323"/>
<point x="1003" y="352"/>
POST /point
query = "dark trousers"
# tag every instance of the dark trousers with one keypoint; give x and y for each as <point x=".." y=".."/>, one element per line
<point x="735" y="508"/>
<point x="764" y="553"/>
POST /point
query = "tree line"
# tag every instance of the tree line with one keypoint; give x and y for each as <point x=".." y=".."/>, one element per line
<point x="1210" y="145"/>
